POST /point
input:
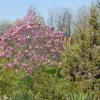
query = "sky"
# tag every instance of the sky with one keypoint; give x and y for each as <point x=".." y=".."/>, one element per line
<point x="14" y="9"/>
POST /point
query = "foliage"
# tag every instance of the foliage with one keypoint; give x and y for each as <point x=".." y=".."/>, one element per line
<point x="39" y="86"/>
<point x="4" y="26"/>
<point x="32" y="46"/>
<point x="81" y="58"/>
<point x="30" y="43"/>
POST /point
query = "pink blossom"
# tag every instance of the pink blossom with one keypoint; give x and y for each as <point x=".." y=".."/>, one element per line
<point x="30" y="43"/>
<point x="29" y="27"/>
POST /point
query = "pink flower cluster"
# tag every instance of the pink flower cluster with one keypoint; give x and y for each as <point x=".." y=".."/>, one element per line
<point x="30" y="43"/>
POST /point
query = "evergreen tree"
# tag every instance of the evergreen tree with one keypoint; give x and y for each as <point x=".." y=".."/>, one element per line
<point x="81" y="59"/>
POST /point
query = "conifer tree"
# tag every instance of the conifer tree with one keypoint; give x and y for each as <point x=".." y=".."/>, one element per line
<point x="81" y="59"/>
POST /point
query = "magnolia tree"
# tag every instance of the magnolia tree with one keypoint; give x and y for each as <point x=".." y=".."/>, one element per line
<point x="30" y="44"/>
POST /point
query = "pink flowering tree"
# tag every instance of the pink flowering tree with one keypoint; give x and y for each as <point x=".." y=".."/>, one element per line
<point x="30" y="44"/>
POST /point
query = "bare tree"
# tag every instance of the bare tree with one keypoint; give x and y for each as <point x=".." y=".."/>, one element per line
<point x="61" y="19"/>
<point x="98" y="2"/>
<point x="51" y="18"/>
<point x="81" y="19"/>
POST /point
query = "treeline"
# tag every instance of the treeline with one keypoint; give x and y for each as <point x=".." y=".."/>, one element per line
<point x="62" y="19"/>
